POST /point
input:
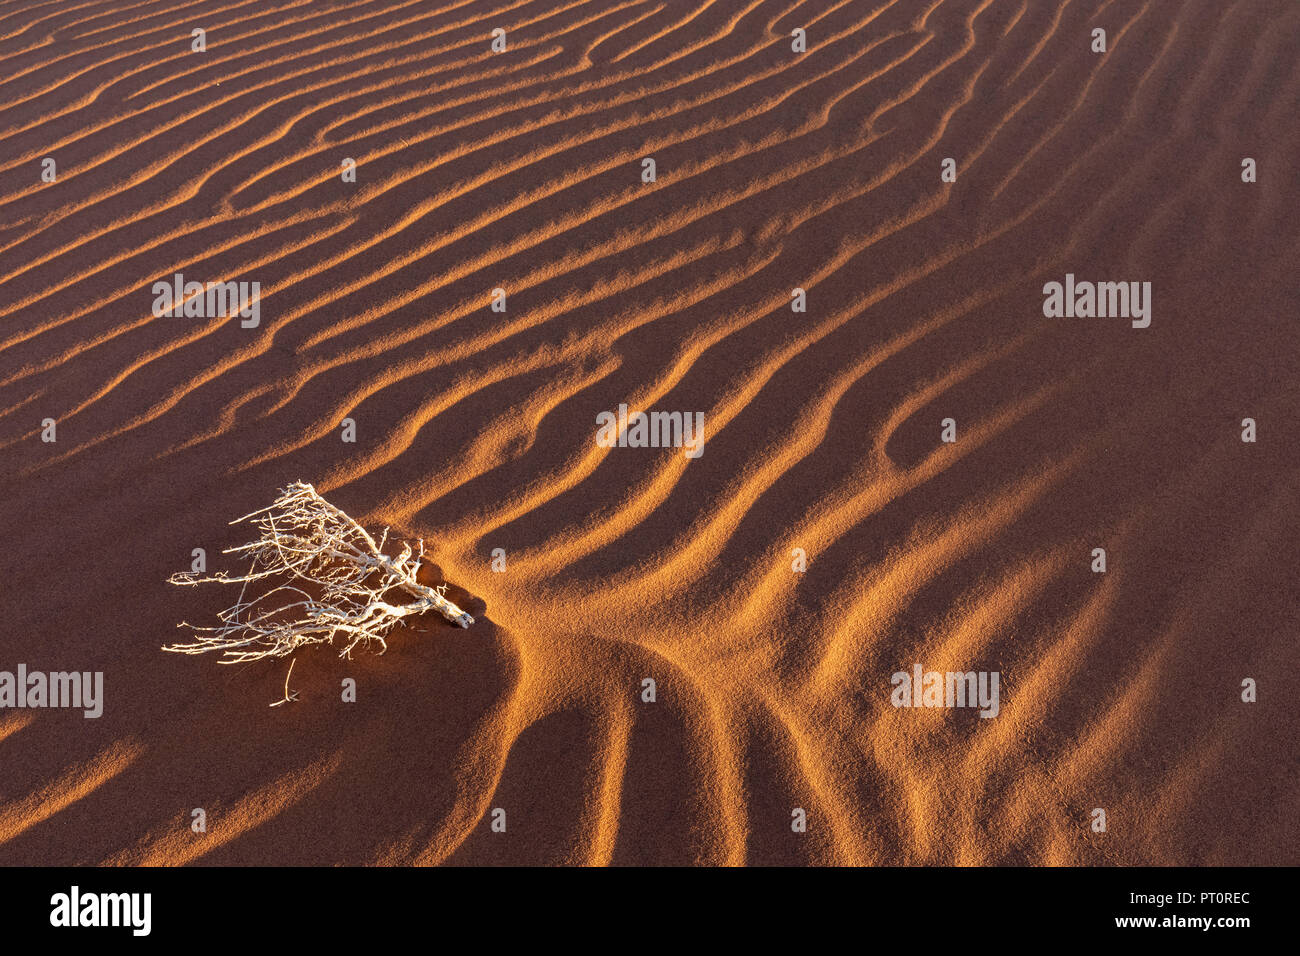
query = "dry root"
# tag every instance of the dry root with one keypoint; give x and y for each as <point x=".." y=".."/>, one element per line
<point x="336" y="583"/>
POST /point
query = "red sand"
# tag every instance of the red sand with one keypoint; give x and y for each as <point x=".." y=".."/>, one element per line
<point x="475" y="429"/>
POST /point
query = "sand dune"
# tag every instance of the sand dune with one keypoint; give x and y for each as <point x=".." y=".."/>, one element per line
<point x="775" y="170"/>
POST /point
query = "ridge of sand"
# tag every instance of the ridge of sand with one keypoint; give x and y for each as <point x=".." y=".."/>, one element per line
<point x="476" y="428"/>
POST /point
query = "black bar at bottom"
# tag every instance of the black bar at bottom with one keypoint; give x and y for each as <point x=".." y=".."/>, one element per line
<point x="300" y="906"/>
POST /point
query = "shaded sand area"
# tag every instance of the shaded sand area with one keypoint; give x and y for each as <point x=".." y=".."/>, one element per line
<point x="475" y="428"/>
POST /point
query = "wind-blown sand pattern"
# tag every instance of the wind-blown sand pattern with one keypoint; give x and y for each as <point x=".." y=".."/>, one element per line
<point x="475" y="429"/>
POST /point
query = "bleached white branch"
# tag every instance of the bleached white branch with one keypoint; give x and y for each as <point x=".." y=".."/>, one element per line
<point x="362" y="592"/>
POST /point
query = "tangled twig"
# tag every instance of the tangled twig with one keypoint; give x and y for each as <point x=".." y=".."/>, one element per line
<point x="336" y="583"/>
